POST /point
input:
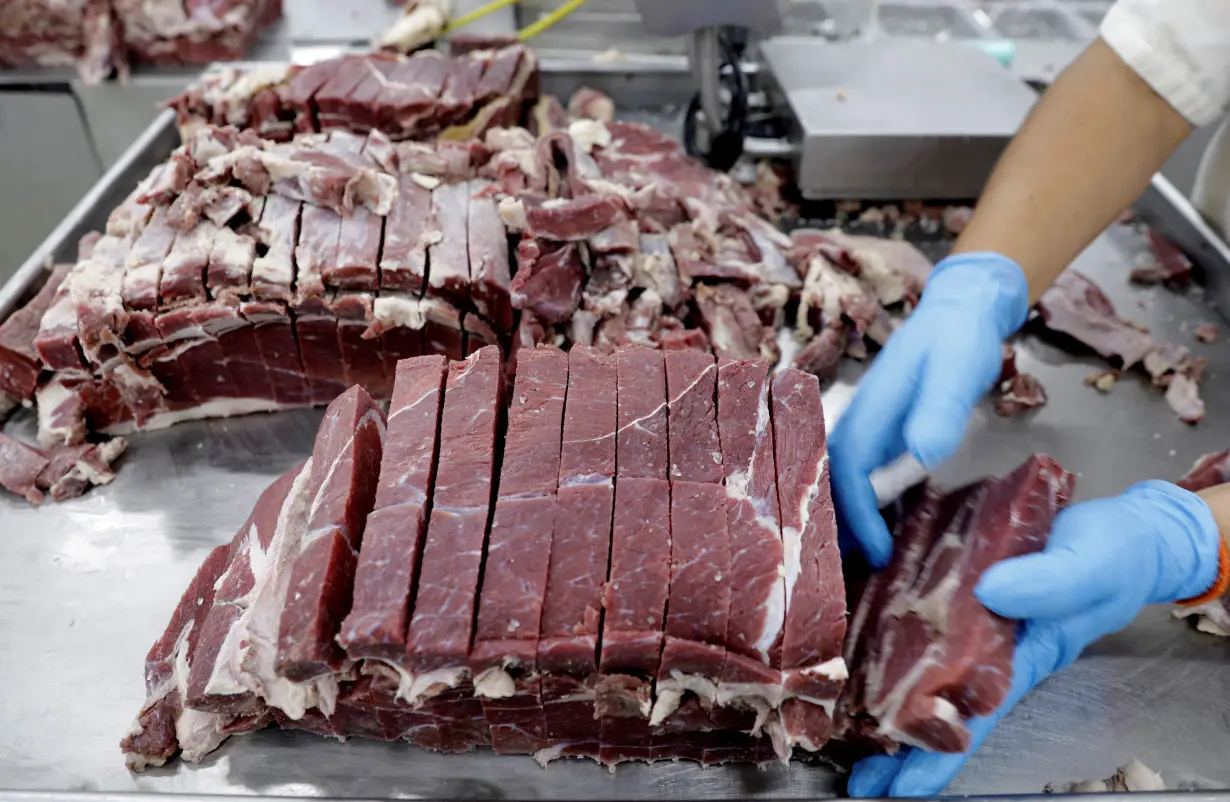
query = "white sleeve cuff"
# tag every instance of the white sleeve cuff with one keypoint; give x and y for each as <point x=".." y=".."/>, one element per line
<point x="1181" y="48"/>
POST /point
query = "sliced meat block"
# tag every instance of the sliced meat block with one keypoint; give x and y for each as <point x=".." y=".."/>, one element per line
<point x="143" y="263"/>
<point x="330" y="99"/>
<point x="488" y="250"/>
<point x="410" y="230"/>
<point x="812" y="664"/>
<point x="642" y="441"/>
<point x="500" y="74"/>
<point x="247" y="592"/>
<point x="635" y="603"/>
<point x="449" y="274"/>
<point x="442" y="330"/>
<point x="362" y="359"/>
<point x="753" y="519"/>
<point x="164" y="726"/>
<point x="183" y="272"/>
<point x="56" y="342"/>
<point x="393" y="537"/>
<point x="190" y="332"/>
<point x="358" y="252"/>
<point x="636" y="594"/>
<point x="317" y="251"/>
<point x="345" y="471"/>
<point x="229" y="275"/>
<point x="71" y="470"/>
<point x="440" y="629"/>
<point x="580" y="544"/>
<point x="299" y="92"/>
<point x="19" y="358"/>
<point x="698" y="607"/>
<point x="503" y="657"/>
<point x="947" y="658"/>
<point x="360" y="102"/>
<point x="691" y="383"/>
<point x="273" y="274"/>
<point x="411" y="93"/>
<point x="275" y="340"/>
<point x="1074" y="306"/>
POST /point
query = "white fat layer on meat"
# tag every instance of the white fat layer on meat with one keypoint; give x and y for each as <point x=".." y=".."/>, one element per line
<point x="62" y="314"/>
<point x="782" y="742"/>
<point x="886" y="712"/>
<point x="832" y="669"/>
<point x="936" y="605"/>
<point x="432" y="683"/>
<point x="417" y="27"/>
<point x="252" y="81"/>
<point x="761" y="697"/>
<point x="378" y="666"/>
<point x="823" y="289"/>
<point x="196" y="731"/>
<point x="888" y="284"/>
<point x="587" y="480"/>
<point x="792" y="538"/>
<point x="555" y="203"/>
<point x="738" y="487"/>
<point x="247" y="659"/>
<point x="220" y="408"/>
<point x="669" y="693"/>
<point x="50" y="397"/>
<point x="394" y="311"/>
<point x="494" y="683"/>
<point x="943" y="710"/>
<point x="512" y="213"/>
<point x="425" y="181"/>
<point x="828" y="705"/>
<point x="346" y="453"/>
<point x="544" y="756"/>
<point x="85" y="470"/>
<point x="589" y="134"/>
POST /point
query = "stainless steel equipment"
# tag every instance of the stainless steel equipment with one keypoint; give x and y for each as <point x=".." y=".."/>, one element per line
<point x="894" y="118"/>
<point x="86" y="586"/>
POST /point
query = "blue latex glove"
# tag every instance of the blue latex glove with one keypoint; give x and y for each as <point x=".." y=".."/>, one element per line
<point x="1105" y="560"/>
<point x="920" y="391"/>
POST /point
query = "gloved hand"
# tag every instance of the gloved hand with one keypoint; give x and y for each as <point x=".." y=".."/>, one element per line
<point x="921" y="389"/>
<point x="1104" y="561"/>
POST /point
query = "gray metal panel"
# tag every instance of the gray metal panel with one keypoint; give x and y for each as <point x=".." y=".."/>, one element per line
<point x="46" y="165"/>
<point x="895" y="118"/>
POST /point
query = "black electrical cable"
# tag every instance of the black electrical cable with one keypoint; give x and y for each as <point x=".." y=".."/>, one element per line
<point x="726" y="146"/>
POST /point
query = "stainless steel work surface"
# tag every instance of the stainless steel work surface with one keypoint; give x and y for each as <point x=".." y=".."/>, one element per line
<point x="895" y="117"/>
<point x="86" y="586"/>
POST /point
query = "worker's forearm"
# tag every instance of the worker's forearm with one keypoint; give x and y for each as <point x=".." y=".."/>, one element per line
<point x="1087" y="150"/>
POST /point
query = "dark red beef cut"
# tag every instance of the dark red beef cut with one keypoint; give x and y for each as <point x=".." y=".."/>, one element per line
<point x="19" y="359"/>
<point x="691" y="382"/>
<point x="930" y="655"/>
<point x="580" y="544"/>
<point x="637" y="592"/>
<point x="409" y="231"/>
<point x="393" y="537"/>
<point x="449" y="273"/>
<point x="345" y="472"/>
<point x="438" y="641"/>
<point x="488" y="253"/>
<point x="812" y="665"/>
<point x="698" y="610"/>
<point x="751" y="678"/>
<point x="504" y="655"/>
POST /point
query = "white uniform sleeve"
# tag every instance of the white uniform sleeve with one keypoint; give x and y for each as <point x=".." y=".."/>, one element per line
<point x="1181" y="48"/>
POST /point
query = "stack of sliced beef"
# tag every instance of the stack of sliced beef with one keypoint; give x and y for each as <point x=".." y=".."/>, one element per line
<point x="413" y="97"/>
<point x="246" y="274"/>
<point x="926" y="656"/>
<point x="98" y="36"/>
<point x="636" y="558"/>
